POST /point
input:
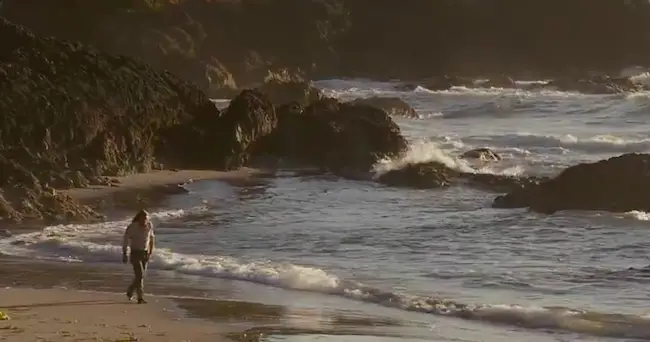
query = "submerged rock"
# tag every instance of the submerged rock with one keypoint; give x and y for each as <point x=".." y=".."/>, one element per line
<point x="483" y="154"/>
<point x="431" y="175"/>
<point x="601" y="85"/>
<point x="393" y="106"/>
<point x="617" y="184"/>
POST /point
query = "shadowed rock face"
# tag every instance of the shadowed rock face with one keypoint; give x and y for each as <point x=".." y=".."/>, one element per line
<point x="335" y="135"/>
<point x="617" y="184"/>
<point x="70" y="114"/>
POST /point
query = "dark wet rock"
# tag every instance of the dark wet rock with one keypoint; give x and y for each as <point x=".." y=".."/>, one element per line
<point x="281" y="93"/>
<point x="431" y="175"/>
<point x="393" y="106"/>
<point x="618" y="184"/>
<point x="4" y="233"/>
<point x="483" y="154"/>
<point x="335" y="135"/>
<point x="250" y="118"/>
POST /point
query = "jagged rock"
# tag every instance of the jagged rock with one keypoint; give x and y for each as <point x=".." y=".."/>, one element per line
<point x="616" y="184"/>
<point x="483" y="154"/>
<point x="281" y="93"/>
<point x="250" y="118"/>
<point x="393" y="106"/>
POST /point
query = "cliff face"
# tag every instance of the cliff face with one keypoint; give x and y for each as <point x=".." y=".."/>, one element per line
<point x="224" y="44"/>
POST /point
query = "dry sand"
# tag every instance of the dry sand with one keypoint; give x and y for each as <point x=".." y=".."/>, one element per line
<point x="67" y="315"/>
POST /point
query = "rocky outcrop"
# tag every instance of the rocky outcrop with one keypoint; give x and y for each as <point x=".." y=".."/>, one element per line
<point x="393" y="106"/>
<point x="335" y="136"/>
<point x="70" y="114"/>
<point x="617" y="184"/>
<point x="482" y="154"/>
<point x="433" y="175"/>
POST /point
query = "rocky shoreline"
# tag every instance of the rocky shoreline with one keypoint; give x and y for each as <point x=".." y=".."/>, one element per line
<point x="72" y="116"/>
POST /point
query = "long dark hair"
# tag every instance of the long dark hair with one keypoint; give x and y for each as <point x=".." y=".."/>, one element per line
<point x="140" y="215"/>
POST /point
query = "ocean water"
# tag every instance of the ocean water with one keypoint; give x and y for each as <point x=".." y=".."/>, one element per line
<point x="418" y="265"/>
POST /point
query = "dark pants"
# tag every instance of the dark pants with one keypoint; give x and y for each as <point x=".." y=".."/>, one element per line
<point x="139" y="261"/>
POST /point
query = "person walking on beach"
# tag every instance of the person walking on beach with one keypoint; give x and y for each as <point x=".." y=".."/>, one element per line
<point x="140" y="237"/>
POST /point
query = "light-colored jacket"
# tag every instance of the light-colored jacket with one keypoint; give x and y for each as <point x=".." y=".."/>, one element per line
<point x="138" y="238"/>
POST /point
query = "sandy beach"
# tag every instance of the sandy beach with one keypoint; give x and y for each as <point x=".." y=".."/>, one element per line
<point x="71" y="315"/>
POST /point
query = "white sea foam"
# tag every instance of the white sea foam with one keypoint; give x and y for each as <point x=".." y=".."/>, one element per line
<point x="637" y="215"/>
<point x="425" y="150"/>
<point x="591" y="144"/>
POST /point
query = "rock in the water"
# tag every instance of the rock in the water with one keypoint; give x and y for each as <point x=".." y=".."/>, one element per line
<point x="250" y="118"/>
<point x="281" y="93"/>
<point x="431" y="175"/>
<point x="4" y="233"/>
<point x="618" y="184"/>
<point x="602" y="85"/>
<point x="483" y="154"/>
<point x="393" y="106"/>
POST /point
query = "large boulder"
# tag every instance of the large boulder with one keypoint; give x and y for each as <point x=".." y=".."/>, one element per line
<point x="618" y="184"/>
<point x="336" y="136"/>
<point x="393" y="106"/>
<point x="247" y="121"/>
